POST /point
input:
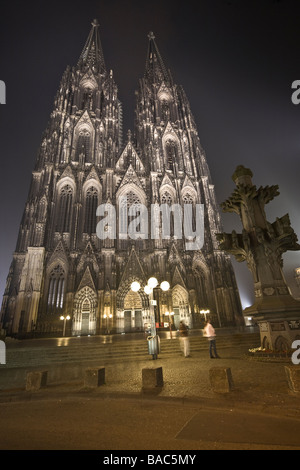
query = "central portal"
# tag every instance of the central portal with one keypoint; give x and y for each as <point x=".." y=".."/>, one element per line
<point x="133" y="318"/>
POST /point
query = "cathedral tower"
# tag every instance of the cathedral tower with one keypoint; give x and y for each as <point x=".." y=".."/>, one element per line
<point x="61" y="266"/>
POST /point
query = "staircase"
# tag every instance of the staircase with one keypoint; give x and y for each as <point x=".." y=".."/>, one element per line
<point x="129" y="350"/>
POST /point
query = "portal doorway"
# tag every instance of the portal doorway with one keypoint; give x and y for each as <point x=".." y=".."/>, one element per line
<point x="133" y="318"/>
<point x="84" y="319"/>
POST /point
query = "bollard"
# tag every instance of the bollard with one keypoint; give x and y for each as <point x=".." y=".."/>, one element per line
<point x="36" y="380"/>
<point x="2" y="92"/>
<point x="94" y="377"/>
<point x="221" y="379"/>
<point x="2" y="352"/>
<point x="152" y="378"/>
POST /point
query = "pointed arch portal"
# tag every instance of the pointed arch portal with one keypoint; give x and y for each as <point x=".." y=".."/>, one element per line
<point x="84" y="318"/>
<point x="132" y="312"/>
<point x="180" y="301"/>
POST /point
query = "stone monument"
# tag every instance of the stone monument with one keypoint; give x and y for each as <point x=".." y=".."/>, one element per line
<point x="261" y="244"/>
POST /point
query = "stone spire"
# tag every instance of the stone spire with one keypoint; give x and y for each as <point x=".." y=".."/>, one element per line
<point x="92" y="55"/>
<point x="155" y="70"/>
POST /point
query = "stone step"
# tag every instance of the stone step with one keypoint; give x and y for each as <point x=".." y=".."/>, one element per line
<point x="35" y="356"/>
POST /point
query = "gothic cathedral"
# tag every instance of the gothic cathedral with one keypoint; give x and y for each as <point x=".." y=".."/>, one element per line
<point x="60" y="265"/>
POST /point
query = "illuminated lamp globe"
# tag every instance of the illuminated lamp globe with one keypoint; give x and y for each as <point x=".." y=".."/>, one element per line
<point x="152" y="282"/>
<point x="135" y="286"/>
<point x="165" y="285"/>
<point x="147" y="290"/>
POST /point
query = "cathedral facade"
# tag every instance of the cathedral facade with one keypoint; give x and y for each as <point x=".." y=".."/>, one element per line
<point x="61" y="266"/>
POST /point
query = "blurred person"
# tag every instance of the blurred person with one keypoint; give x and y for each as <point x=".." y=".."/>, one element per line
<point x="184" y="339"/>
<point x="210" y="333"/>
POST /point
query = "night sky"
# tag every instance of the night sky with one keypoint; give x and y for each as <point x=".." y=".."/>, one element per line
<point x="236" y="61"/>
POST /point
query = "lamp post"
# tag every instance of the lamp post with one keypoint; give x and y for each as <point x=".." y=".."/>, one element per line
<point x="205" y="312"/>
<point x="169" y="315"/>
<point x="153" y="340"/>
<point x="64" y="319"/>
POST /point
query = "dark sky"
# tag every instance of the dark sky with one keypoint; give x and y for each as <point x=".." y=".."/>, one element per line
<point x="236" y="60"/>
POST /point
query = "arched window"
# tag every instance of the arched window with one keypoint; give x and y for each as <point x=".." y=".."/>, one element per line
<point x="84" y="146"/>
<point x="171" y="154"/>
<point x="165" y="110"/>
<point x="129" y="199"/>
<point x="188" y="199"/>
<point x="65" y="209"/>
<point x="87" y="98"/>
<point x="56" y="289"/>
<point x="132" y="199"/>
<point x="41" y="213"/>
<point x="189" y="214"/>
<point x="166" y="198"/>
<point x="91" y="204"/>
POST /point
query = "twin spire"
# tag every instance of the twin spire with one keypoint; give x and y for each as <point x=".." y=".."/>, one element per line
<point x="155" y="70"/>
<point x="92" y="56"/>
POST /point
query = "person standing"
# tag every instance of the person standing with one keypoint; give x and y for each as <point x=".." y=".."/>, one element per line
<point x="184" y="339"/>
<point x="210" y="333"/>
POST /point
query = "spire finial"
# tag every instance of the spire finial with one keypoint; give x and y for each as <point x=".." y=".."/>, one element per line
<point x="92" y="55"/>
<point x="155" y="69"/>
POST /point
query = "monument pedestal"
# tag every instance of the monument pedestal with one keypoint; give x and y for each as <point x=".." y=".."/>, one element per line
<point x="278" y="318"/>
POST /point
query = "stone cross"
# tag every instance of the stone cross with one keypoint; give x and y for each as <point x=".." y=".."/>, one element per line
<point x="261" y="244"/>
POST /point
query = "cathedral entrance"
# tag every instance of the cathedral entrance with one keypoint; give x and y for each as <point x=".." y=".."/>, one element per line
<point x="180" y="301"/>
<point x="84" y="319"/>
<point x="133" y="319"/>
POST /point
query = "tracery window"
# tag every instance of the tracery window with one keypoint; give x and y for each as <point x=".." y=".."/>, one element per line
<point x="41" y="214"/>
<point x="56" y="289"/>
<point x="84" y="145"/>
<point x="166" y="198"/>
<point x="171" y="154"/>
<point x="188" y="199"/>
<point x="65" y="209"/>
<point x="91" y="204"/>
<point x="165" y="110"/>
<point x="189" y="213"/>
<point x="87" y="98"/>
<point x="126" y="201"/>
<point x="132" y="199"/>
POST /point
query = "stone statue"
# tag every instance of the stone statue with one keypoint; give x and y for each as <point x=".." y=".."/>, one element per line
<point x="262" y="244"/>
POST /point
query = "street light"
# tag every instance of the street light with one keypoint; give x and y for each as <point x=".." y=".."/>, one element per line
<point x="205" y="312"/>
<point x="135" y="286"/>
<point x="153" y="340"/>
<point x="65" y="321"/>
<point x="169" y="314"/>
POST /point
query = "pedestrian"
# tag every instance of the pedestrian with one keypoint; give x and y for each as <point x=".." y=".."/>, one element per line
<point x="210" y="333"/>
<point x="184" y="339"/>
